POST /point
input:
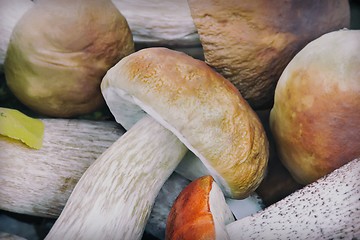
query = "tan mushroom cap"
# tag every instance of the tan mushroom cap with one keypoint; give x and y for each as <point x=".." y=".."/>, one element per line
<point x="316" y="115"/>
<point x="203" y="109"/>
<point x="60" y="50"/>
<point x="251" y="42"/>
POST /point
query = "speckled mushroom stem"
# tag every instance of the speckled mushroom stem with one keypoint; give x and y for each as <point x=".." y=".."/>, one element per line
<point x="121" y="186"/>
<point x="326" y="209"/>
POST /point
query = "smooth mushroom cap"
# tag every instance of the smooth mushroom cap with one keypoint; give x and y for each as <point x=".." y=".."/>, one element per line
<point x="251" y="42"/>
<point x="316" y="115"/>
<point x="199" y="212"/>
<point x="203" y="109"/>
<point x="57" y="69"/>
<point x="10" y="11"/>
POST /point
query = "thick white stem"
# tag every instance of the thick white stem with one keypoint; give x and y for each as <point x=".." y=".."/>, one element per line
<point x="326" y="209"/>
<point x="114" y="197"/>
<point x="39" y="182"/>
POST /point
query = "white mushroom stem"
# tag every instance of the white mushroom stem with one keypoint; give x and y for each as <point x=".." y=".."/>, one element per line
<point x="326" y="209"/>
<point x="154" y="20"/>
<point x="114" y="197"/>
<point x="10" y="11"/>
<point x="39" y="182"/>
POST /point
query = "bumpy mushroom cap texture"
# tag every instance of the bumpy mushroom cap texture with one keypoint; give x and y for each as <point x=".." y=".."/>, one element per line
<point x="316" y="115"/>
<point x="203" y="109"/>
<point x="251" y="42"/>
<point x="60" y="50"/>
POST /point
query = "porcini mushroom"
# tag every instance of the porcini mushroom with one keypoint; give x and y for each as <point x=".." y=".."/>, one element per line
<point x="316" y="114"/>
<point x="251" y="42"/>
<point x="57" y="69"/>
<point x="199" y="212"/>
<point x="10" y="11"/>
<point x="193" y="103"/>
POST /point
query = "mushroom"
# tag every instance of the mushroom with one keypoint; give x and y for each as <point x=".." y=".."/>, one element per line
<point x="57" y="69"/>
<point x="199" y="212"/>
<point x="316" y="115"/>
<point x="251" y="42"/>
<point x="113" y="198"/>
<point x="11" y="11"/>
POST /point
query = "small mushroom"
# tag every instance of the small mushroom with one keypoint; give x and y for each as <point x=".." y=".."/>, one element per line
<point x="193" y="103"/>
<point x="199" y="212"/>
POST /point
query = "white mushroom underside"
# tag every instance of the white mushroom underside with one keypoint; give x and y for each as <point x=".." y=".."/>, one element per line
<point x="114" y="197"/>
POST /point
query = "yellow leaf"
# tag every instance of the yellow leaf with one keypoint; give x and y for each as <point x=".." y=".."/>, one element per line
<point x="17" y="125"/>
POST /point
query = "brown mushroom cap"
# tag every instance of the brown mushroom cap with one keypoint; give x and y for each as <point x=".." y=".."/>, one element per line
<point x="57" y="69"/>
<point x="203" y="109"/>
<point x="316" y="115"/>
<point x="251" y="42"/>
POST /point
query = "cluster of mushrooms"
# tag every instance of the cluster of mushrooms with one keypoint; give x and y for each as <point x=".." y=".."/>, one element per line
<point x="186" y="82"/>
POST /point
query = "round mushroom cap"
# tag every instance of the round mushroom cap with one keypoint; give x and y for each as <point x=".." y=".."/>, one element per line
<point x="316" y="115"/>
<point x="56" y="70"/>
<point x="251" y="42"/>
<point x="203" y="109"/>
